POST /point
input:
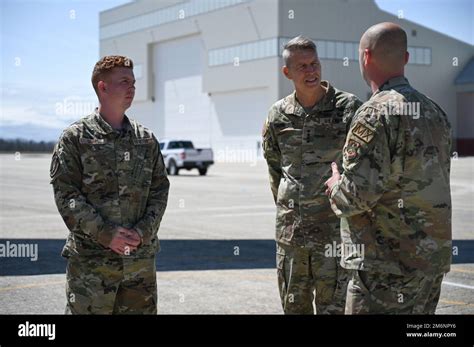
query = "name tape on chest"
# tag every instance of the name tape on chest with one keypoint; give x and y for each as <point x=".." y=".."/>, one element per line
<point x="92" y="141"/>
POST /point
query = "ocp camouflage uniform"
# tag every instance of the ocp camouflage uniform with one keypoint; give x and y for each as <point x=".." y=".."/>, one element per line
<point x="394" y="200"/>
<point x="299" y="147"/>
<point x="105" y="178"/>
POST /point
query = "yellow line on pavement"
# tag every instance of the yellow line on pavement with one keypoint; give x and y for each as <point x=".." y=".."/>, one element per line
<point x="450" y="302"/>
<point x="31" y="285"/>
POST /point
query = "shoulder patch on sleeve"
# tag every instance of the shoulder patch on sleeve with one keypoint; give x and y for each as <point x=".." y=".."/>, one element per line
<point x="54" y="168"/>
<point x="351" y="150"/>
<point x="363" y="132"/>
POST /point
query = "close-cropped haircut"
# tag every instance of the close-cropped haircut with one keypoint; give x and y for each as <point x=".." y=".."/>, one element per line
<point x="299" y="43"/>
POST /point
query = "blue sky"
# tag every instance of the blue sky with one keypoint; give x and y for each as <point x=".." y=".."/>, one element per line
<point x="454" y="18"/>
<point x="48" y="49"/>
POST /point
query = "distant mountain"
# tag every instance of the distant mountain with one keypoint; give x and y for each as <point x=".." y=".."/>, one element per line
<point x="29" y="132"/>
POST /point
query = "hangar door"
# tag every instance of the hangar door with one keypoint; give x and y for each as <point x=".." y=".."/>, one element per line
<point x="178" y="90"/>
<point x="224" y="120"/>
<point x="239" y="118"/>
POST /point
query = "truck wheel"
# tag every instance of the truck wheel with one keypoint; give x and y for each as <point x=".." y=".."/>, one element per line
<point x="203" y="172"/>
<point x="172" y="168"/>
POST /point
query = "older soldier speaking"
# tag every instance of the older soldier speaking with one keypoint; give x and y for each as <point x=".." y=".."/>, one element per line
<point x="303" y="134"/>
<point x="111" y="189"/>
<point x="394" y="196"/>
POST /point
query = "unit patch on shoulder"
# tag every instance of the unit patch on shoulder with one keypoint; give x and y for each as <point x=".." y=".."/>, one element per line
<point x="363" y="132"/>
<point x="351" y="149"/>
<point x="53" y="170"/>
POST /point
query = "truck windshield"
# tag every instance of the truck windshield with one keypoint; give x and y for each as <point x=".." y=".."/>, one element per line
<point x="181" y="144"/>
<point x="187" y="145"/>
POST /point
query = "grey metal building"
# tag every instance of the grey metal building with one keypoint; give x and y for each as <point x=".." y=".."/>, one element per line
<point x="208" y="70"/>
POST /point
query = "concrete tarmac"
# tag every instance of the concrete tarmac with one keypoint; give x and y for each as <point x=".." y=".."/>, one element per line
<point x="218" y="252"/>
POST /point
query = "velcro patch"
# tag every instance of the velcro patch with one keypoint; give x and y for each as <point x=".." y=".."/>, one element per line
<point x="363" y="132"/>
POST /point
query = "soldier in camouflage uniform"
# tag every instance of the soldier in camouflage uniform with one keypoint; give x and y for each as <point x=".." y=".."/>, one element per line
<point x="111" y="189"/>
<point x="304" y="132"/>
<point x="394" y="195"/>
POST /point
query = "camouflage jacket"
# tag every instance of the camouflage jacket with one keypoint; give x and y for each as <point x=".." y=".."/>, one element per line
<point x="299" y="149"/>
<point x="394" y="195"/>
<point x="103" y="178"/>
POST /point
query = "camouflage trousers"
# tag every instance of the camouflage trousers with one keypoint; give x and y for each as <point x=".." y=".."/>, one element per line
<point x="384" y="293"/>
<point x="307" y="276"/>
<point x="111" y="285"/>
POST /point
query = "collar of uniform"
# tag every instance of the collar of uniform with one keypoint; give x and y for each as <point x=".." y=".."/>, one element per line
<point x="127" y="125"/>
<point x="327" y="102"/>
<point x="392" y="83"/>
<point x="105" y="128"/>
<point x="292" y="106"/>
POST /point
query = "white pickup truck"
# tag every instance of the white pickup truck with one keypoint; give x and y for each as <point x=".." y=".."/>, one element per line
<point x="181" y="154"/>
